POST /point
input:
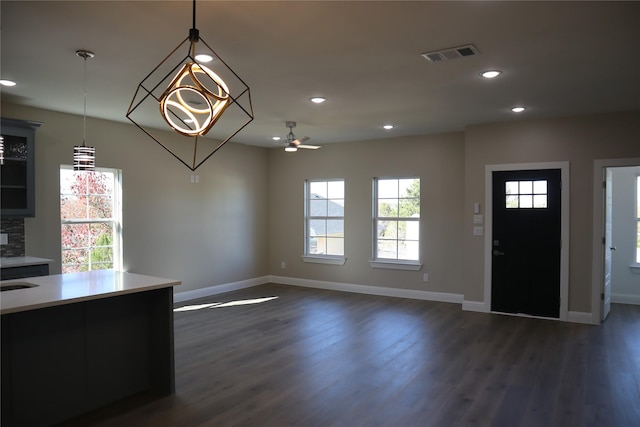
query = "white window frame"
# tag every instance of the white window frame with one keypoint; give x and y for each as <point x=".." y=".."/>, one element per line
<point x="636" y="258"/>
<point x="115" y="221"/>
<point x="312" y="257"/>
<point x="392" y="263"/>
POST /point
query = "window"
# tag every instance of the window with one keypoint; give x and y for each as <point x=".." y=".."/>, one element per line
<point x="638" y="219"/>
<point x="90" y="216"/>
<point x="526" y="194"/>
<point x="397" y="219"/>
<point x="324" y="218"/>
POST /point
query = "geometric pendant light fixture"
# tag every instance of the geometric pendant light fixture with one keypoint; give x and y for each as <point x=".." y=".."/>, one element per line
<point x="183" y="98"/>
<point x="84" y="157"/>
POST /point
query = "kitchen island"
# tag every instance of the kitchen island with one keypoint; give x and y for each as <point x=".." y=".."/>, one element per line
<point x="72" y="343"/>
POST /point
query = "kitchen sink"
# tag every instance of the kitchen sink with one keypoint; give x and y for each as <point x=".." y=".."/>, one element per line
<point x="12" y="286"/>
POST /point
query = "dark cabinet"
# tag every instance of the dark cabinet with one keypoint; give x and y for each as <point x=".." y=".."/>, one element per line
<point x="61" y="362"/>
<point x="20" y="272"/>
<point x="17" y="180"/>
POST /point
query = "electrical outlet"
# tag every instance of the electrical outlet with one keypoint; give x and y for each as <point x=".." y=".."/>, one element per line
<point x="425" y="277"/>
<point x="283" y="264"/>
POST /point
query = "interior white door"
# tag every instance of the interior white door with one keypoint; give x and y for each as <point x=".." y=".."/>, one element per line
<point x="608" y="245"/>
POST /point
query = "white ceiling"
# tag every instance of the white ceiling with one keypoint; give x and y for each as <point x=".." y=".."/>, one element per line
<point x="557" y="58"/>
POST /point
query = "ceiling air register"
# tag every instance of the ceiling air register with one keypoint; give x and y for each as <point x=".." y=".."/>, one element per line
<point x="191" y="99"/>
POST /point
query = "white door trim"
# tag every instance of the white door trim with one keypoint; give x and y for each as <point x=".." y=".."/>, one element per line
<point x="564" y="232"/>
<point x="597" y="262"/>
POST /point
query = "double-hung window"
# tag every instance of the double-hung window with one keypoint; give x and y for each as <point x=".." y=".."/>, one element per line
<point x="396" y="220"/>
<point x="90" y="219"/>
<point x="324" y="219"/>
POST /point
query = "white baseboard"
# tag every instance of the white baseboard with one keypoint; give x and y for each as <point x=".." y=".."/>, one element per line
<point x="218" y="289"/>
<point x="371" y="290"/>
<point x="478" y="306"/>
<point x="582" y="317"/>
<point x="573" y="316"/>
<point x="625" y="299"/>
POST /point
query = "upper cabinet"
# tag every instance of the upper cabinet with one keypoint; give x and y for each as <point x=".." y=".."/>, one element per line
<point x="17" y="184"/>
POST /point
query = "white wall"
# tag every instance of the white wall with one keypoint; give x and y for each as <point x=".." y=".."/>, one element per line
<point x="211" y="233"/>
<point x="436" y="159"/>
<point x="452" y="172"/>
<point x="577" y="140"/>
<point x="246" y="215"/>
<point x="625" y="283"/>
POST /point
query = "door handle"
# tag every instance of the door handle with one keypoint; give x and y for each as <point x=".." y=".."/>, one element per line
<point x="497" y="252"/>
<point x="613" y="248"/>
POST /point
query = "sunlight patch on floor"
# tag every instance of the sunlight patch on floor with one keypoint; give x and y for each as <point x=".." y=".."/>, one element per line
<point x="223" y="304"/>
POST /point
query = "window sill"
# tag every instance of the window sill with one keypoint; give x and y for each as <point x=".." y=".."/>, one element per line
<point x="334" y="260"/>
<point x="635" y="268"/>
<point x="396" y="265"/>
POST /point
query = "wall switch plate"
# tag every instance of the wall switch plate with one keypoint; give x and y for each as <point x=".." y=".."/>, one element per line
<point x="478" y="219"/>
<point x="478" y="231"/>
<point x="4" y="239"/>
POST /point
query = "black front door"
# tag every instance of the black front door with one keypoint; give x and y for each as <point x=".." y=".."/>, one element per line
<point x="526" y="242"/>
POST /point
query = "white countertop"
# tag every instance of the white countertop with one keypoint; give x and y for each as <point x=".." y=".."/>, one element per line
<point x="23" y="261"/>
<point x="60" y="289"/>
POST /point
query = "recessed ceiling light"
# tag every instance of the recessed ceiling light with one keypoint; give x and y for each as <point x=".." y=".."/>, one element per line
<point x="491" y="74"/>
<point x="7" y="82"/>
<point x="275" y="138"/>
<point x="203" y="57"/>
<point x="518" y="109"/>
<point x="318" y="99"/>
<point x="388" y="127"/>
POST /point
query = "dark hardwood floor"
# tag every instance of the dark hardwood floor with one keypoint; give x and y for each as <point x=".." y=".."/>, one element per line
<point x="312" y="357"/>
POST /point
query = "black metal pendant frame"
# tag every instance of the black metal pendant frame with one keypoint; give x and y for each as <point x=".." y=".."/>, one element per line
<point x="152" y="88"/>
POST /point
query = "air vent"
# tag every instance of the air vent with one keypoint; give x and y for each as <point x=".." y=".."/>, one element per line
<point x="451" y="53"/>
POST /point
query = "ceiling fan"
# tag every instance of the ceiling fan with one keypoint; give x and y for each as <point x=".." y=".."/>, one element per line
<point x="293" y="144"/>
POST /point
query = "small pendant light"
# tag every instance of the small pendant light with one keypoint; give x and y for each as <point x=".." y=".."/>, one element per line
<point x="84" y="157"/>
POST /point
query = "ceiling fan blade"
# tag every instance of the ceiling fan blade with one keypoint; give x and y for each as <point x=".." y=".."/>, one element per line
<point x="301" y="140"/>
<point x="309" y="147"/>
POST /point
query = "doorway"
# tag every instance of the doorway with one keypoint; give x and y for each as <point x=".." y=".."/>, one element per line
<point x="606" y="220"/>
<point x="527" y="221"/>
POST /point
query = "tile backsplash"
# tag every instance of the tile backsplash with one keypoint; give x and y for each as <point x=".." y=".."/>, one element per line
<point x="14" y="228"/>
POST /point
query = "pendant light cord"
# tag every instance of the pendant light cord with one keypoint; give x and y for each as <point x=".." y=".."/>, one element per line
<point x="194" y="34"/>
<point x="85" y="54"/>
<point x="84" y="123"/>
<point x="194" y="14"/>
